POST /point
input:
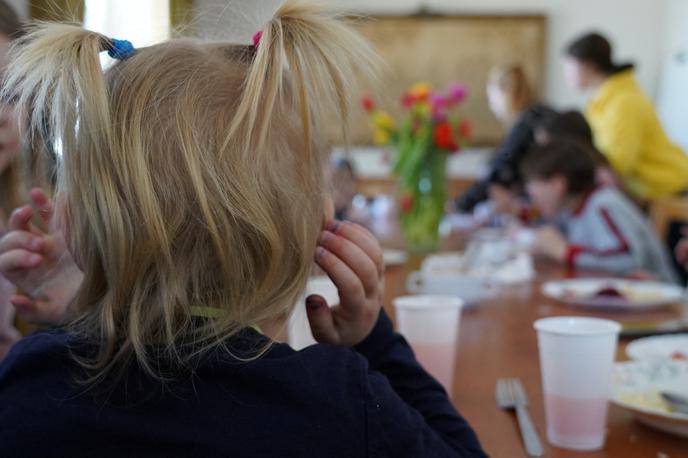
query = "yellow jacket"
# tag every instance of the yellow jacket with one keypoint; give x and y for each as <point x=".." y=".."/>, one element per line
<point x="629" y="133"/>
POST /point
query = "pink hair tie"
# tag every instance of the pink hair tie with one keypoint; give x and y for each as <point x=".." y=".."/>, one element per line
<point x="256" y="38"/>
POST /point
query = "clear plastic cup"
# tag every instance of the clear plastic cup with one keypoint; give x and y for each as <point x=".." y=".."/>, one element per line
<point x="576" y="363"/>
<point x="430" y="323"/>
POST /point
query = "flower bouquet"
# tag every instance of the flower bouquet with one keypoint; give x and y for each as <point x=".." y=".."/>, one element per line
<point x="430" y="129"/>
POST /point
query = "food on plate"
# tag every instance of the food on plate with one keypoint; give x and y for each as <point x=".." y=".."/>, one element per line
<point x="650" y="400"/>
<point x="609" y="291"/>
<point x="616" y="293"/>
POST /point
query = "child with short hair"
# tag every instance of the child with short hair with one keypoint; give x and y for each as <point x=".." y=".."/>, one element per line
<point x="603" y="229"/>
<point x="572" y="125"/>
<point x="190" y="194"/>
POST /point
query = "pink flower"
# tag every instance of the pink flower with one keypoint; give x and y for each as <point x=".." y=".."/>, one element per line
<point x="438" y="106"/>
<point x="456" y="93"/>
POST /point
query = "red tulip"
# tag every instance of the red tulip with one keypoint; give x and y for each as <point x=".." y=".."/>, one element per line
<point x="408" y="100"/>
<point x="368" y="104"/>
<point x="444" y="136"/>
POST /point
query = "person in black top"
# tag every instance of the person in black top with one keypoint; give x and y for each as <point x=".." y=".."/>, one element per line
<point x="511" y="101"/>
<point x="191" y="211"/>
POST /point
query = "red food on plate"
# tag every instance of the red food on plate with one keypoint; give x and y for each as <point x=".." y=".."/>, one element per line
<point x="609" y="291"/>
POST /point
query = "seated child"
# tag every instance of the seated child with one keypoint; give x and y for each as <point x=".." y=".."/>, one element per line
<point x="603" y="229"/>
<point x="190" y="190"/>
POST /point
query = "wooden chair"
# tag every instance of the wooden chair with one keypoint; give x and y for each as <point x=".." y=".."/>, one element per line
<point x="665" y="211"/>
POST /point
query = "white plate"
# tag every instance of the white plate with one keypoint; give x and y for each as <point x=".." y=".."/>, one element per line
<point x="394" y="257"/>
<point x="639" y="379"/>
<point x="642" y="294"/>
<point x="658" y="347"/>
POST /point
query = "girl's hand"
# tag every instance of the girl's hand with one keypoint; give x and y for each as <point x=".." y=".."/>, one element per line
<point x="352" y="258"/>
<point x="39" y="264"/>
<point x="550" y="243"/>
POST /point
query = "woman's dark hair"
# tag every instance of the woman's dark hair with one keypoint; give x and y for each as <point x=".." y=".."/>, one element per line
<point x="567" y="124"/>
<point x="569" y="158"/>
<point x="10" y="25"/>
<point x="572" y="125"/>
<point x="595" y="49"/>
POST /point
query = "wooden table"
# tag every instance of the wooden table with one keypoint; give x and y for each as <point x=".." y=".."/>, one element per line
<point x="497" y="340"/>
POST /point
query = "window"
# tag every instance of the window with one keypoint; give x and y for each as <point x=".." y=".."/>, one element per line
<point x="143" y="23"/>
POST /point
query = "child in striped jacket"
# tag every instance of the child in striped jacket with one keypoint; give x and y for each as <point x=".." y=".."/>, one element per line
<point x="602" y="228"/>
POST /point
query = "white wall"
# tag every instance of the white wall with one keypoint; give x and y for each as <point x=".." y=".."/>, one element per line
<point x="20" y="6"/>
<point x="635" y="27"/>
<point x="672" y="100"/>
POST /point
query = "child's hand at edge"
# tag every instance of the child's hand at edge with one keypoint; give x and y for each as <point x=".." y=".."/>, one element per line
<point x="550" y="243"/>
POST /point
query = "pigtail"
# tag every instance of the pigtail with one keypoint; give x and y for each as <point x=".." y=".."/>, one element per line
<point x="57" y="80"/>
<point x="316" y="56"/>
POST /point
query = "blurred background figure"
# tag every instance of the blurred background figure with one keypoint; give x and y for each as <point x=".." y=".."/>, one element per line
<point x="627" y="129"/>
<point x="342" y="179"/>
<point x="511" y="101"/>
<point x="602" y="229"/>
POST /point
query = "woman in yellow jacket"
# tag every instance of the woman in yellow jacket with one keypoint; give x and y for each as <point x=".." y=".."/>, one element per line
<point x="626" y="127"/>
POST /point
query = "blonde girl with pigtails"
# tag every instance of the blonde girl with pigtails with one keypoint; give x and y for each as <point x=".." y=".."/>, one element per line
<point x="189" y="211"/>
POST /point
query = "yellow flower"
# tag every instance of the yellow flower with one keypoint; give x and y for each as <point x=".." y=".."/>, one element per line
<point x="421" y="91"/>
<point x="383" y="120"/>
<point x="423" y="109"/>
<point x="381" y="137"/>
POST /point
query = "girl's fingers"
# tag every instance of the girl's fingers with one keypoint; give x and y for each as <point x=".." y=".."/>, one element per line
<point x="15" y="260"/>
<point x="21" y="240"/>
<point x="21" y="218"/>
<point x="361" y="237"/>
<point x="354" y="257"/>
<point x="321" y="320"/>
<point x="23" y="304"/>
<point x="347" y="282"/>
<point x="44" y="205"/>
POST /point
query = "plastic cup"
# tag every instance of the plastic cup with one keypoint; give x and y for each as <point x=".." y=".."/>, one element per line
<point x="430" y="323"/>
<point x="576" y="363"/>
<point x="299" y="330"/>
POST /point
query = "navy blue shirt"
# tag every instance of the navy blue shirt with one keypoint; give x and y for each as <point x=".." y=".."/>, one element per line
<point x="371" y="401"/>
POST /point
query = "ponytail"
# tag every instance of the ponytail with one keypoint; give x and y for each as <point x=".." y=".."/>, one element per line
<point x="57" y="80"/>
<point x="596" y="50"/>
<point x="317" y="57"/>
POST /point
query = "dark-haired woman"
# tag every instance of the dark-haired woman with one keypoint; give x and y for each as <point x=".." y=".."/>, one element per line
<point x="626" y="127"/>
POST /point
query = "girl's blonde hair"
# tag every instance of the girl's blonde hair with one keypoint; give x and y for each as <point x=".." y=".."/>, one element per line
<point x="192" y="175"/>
<point x="513" y="82"/>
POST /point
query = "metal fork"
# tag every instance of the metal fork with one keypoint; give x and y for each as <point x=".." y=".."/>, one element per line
<point x="511" y="395"/>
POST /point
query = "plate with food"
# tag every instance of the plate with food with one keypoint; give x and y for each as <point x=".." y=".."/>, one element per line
<point x="613" y="293"/>
<point x="674" y="347"/>
<point x="642" y="388"/>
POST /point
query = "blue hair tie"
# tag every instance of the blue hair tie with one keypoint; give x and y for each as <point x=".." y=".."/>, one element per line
<point x="121" y="49"/>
